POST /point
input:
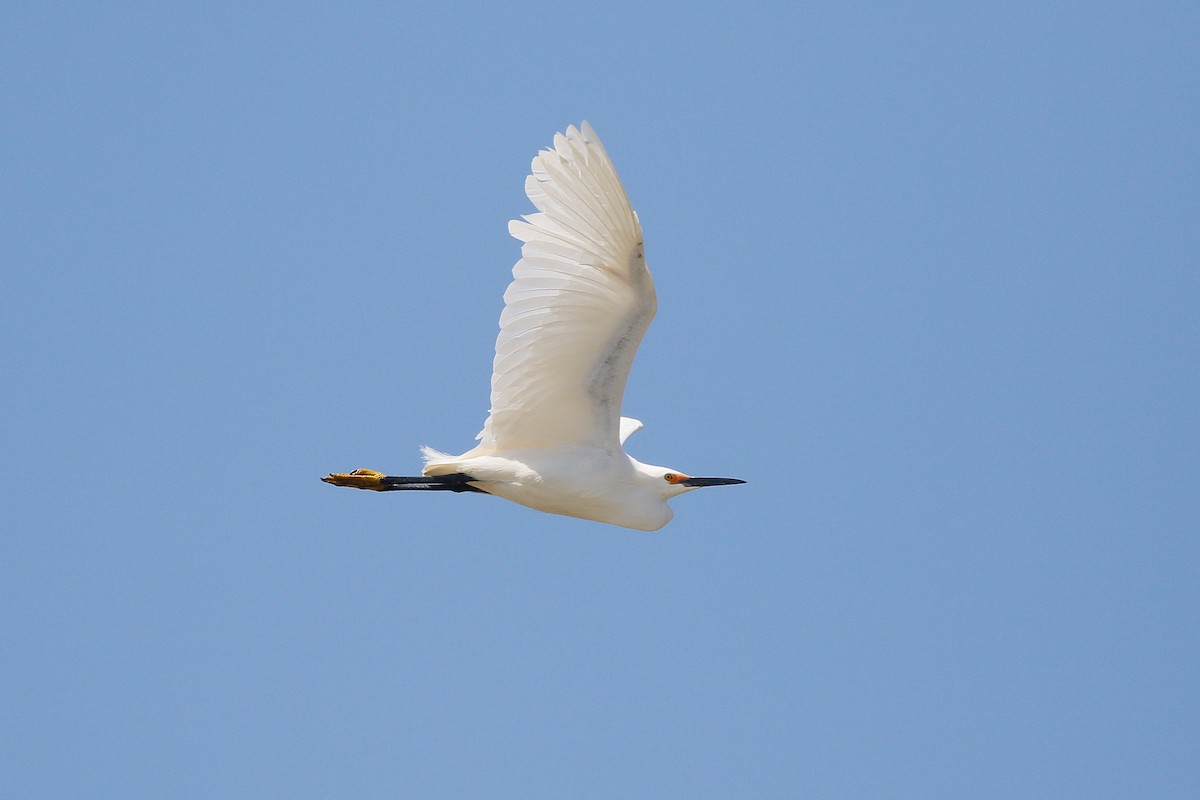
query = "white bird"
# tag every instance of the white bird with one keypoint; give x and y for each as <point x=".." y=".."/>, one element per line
<point x="573" y="317"/>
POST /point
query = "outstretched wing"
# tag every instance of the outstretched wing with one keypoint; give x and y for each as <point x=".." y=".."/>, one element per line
<point x="580" y="300"/>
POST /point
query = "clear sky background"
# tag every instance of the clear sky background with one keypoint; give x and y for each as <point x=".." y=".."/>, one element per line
<point x="928" y="280"/>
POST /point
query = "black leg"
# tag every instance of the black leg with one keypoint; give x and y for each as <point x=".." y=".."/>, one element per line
<point x="458" y="482"/>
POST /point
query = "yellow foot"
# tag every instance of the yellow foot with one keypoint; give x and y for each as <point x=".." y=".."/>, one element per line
<point x="359" y="479"/>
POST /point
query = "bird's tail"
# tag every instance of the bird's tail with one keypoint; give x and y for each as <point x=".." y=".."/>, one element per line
<point x="437" y="462"/>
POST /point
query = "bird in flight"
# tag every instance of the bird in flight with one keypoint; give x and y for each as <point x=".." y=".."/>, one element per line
<point x="573" y="317"/>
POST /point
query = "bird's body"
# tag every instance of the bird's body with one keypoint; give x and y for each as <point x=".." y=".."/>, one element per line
<point x="574" y="315"/>
<point x="572" y="480"/>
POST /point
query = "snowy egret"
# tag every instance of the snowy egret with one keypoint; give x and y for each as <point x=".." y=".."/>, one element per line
<point x="573" y="317"/>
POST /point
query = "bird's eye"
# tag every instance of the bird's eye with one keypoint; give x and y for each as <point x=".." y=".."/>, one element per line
<point x="670" y="477"/>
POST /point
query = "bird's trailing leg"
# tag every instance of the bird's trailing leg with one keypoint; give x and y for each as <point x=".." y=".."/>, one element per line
<point x="378" y="482"/>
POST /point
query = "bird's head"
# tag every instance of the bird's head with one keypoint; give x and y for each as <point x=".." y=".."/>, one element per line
<point x="671" y="482"/>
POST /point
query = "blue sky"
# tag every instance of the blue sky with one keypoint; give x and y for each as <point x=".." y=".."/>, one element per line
<point x="928" y="281"/>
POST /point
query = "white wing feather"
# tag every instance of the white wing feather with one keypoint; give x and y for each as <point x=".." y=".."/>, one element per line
<point x="580" y="301"/>
<point x="629" y="427"/>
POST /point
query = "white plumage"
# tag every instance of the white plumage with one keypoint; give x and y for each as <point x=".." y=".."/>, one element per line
<point x="580" y="300"/>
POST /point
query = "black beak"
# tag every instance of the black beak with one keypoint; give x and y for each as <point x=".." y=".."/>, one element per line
<point x="710" y="481"/>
